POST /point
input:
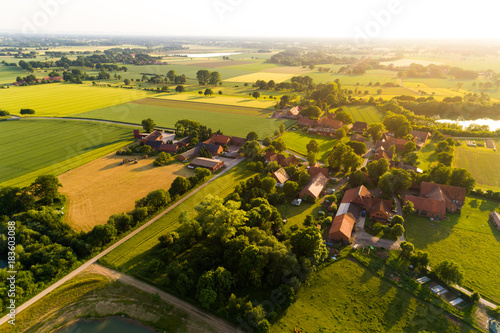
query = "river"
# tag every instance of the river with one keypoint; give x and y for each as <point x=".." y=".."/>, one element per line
<point x="493" y="124"/>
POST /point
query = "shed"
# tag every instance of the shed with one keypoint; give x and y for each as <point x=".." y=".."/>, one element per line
<point x="208" y="163"/>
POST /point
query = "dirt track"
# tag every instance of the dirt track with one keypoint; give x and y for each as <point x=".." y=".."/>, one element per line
<point x="212" y="321"/>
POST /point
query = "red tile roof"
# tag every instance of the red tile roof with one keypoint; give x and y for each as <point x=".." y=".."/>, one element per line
<point x="341" y="228"/>
<point x="315" y="186"/>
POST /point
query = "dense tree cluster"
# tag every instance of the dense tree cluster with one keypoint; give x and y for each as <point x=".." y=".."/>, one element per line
<point x="193" y="129"/>
<point x="237" y="243"/>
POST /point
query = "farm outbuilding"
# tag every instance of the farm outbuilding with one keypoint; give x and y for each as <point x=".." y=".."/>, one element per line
<point x="341" y="228"/>
<point x="315" y="186"/>
<point x="495" y="218"/>
<point x="208" y="163"/>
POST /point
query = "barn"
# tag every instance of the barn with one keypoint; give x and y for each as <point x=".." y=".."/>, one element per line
<point x="208" y="163"/>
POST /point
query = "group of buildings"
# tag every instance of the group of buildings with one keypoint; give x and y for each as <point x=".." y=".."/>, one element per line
<point x="215" y="145"/>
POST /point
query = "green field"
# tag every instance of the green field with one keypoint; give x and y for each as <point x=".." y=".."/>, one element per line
<point x="482" y="163"/>
<point x="297" y="141"/>
<point x="38" y="147"/>
<point x="344" y="297"/>
<point x="469" y="238"/>
<point x="9" y="74"/>
<point x="61" y="99"/>
<point x="426" y="156"/>
<point x="128" y="256"/>
<point x="228" y="123"/>
<point x="366" y="113"/>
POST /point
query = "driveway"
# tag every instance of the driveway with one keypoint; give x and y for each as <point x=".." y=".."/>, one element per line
<point x="363" y="238"/>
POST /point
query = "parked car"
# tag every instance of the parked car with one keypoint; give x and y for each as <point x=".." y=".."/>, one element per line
<point x="363" y="213"/>
<point x="296" y="202"/>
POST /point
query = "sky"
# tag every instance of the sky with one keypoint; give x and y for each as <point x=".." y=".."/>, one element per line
<point x="361" y="19"/>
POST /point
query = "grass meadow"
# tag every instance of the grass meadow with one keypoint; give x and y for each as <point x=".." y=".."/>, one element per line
<point x="482" y="163"/>
<point x="345" y="297"/>
<point x="469" y="238"/>
<point x="297" y="141"/>
<point x="54" y="146"/>
<point x="229" y="122"/>
<point x="61" y="99"/>
<point x="127" y="257"/>
<point x="366" y="113"/>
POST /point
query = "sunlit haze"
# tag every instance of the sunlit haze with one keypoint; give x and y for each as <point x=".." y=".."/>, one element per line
<point x="256" y="18"/>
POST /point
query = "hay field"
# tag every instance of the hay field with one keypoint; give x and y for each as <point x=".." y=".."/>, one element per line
<point x="61" y="99"/>
<point x="222" y="100"/>
<point x="101" y="188"/>
<point x="266" y="76"/>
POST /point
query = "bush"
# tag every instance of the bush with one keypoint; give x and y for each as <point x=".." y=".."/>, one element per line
<point x="27" y="111"/>
<point x="4" y="113"/>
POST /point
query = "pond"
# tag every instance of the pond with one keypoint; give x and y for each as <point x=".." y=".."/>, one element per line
<point x="108" y="325"/>
<point x="493" y="124"/>
<point x="204" y="55"/>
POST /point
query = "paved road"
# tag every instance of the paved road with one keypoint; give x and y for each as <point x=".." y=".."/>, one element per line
<point x="83" y="267"/>
<point x="213" y="322"/>
<point x="363" y="238"/>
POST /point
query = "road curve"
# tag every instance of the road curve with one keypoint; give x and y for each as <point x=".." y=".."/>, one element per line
<point x="83" y="267"/>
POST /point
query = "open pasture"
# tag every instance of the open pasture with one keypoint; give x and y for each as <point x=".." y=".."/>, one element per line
<point x="37" y="147"/>
<point x="61" y="99"/>
<point x="469" y="238"/>
<point x="408" y="62"/>
<point x="482" y="162"/>
<point x="102" y="187"/>
<point x="220" y="103"/>
<point x="229" y="122"/>
<point x="345" y="297"/>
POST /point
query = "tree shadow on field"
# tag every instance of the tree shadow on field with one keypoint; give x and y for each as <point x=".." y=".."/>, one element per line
<point x="396" y="309"/>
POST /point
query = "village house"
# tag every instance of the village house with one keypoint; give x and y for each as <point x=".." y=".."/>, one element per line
<point x="304" y="121"/>
<point x="357" y="137"/>
<point x="378" y="209"/>
<point x="359" y="127"/>
<point x="389" y="141"/>
<point x="436" y="199"/>
<point x="281" y="159"/>
<point x="341" y="228"/>
<point x="420" y="138"/>
<point x="382" y="153"/>
<point x="315" y="187"/>
<point x="157" y="140"/>
<point x="281" y="177"/>
<point x="316" y="168"/>
<point x="207" y="163"/>
<point x="292" y="113"/>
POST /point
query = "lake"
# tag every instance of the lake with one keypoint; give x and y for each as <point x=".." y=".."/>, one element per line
<point x="108" y="325"/>
<point x="204" y="55"/>
<point x="493" y="124"/>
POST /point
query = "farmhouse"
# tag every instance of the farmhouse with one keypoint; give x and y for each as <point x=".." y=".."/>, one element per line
<point x="292" y="113"/>
<point x="420" y="137"/>
<point x="219" y="139"/>
<point x="188" y="154"/>
<point x="381" y="152"/>
<point x="213" y="149"/>
<point x="321" y="131"/>
<point x="158" y="140"/>
<point x="315" y="186"/>
<point x="281" y="159"/>
<point x="281" y="176"/>
<point x="379" y="209"/>
<point x="389" y="141"/>
<point x="304" y="121"/>
<point x="436" y="199"/>
<point x="357" y="137"/>
<point x="495" y="218"/>
<point x="341" y="228"/>
<point x="330" y="123"/>
<point x="207" y="163"/>
<point x="359" y="127"/>
<point x="316" y="168"/>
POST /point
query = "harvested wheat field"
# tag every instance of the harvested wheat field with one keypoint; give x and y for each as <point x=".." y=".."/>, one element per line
<point x="101" y="188"/>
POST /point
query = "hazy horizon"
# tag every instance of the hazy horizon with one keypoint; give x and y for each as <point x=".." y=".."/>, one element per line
<point x="361" y="20"/>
